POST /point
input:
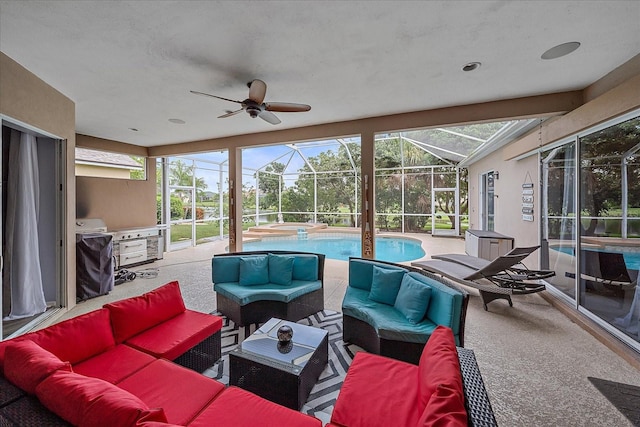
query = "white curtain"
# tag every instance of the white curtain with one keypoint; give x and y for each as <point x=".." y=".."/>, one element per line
<point x="22" y="262"/>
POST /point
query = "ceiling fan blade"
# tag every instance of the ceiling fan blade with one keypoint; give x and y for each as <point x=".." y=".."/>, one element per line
<point x="214" y="96"/>
<point x="231" y="113"/>
<point x="268" y="116"/>
<point x="286" y="107"/>
<point x="257" y="91"/>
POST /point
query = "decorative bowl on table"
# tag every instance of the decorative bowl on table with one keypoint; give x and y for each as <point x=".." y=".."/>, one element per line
<point x="285" y="333"/>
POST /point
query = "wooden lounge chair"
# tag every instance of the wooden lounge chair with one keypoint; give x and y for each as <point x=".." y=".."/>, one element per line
<point x="519" y="269"/>
<point x="493" y="281"/>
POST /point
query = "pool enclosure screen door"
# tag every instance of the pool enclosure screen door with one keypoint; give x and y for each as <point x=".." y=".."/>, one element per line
<point x="446" y="211"/>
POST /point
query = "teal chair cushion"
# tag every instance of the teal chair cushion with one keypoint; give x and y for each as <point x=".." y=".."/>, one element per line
<point x="305" y="267"/>
<point x="244" y="295"/>
<point x="254" y="270"/>
<point x="361" y="272"/>
<point x="280" y="269"/>
<point x="385" y="285"/>
<point x="388" y="322"/>
<point x="413" y="299"/>
<point x="445" y="305"/>
<point x="225" y="269"/>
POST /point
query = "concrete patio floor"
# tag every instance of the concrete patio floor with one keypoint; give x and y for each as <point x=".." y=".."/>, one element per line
<point x="534" y="360"/>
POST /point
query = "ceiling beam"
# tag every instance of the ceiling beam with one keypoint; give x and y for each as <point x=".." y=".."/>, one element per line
<point x="517" y="108"/>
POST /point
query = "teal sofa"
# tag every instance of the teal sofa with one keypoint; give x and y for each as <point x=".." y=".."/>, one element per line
<point x="392" y="309"/>
<point x="252" y="287"/>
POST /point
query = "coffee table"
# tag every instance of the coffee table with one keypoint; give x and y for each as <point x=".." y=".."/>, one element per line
<point x="284" y="374"/>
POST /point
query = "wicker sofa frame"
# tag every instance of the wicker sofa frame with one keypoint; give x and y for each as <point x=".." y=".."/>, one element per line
<point x="261" y="311"/>
<point x="358" y="332"/>
<point x="477" y="404"/>
<point x="204" y="355"/>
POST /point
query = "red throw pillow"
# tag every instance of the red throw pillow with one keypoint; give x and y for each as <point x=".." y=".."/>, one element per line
<point x="439" y="364"/>
<point x="445" y="409"/>
<point x="27" y="364"/>
<point x="87" y="401"/>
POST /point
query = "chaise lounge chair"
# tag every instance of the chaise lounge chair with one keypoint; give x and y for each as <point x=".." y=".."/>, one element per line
<point x="496" y="280"/>
<point x="518" y="269"/>
<point x="606" y="272"/>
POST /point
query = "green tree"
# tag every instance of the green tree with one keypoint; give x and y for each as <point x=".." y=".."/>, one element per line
<point x="269" y="185"/>
<point x="138" y="174"/>
<point x="182" y="174"/>
<point x="336" y="180"/>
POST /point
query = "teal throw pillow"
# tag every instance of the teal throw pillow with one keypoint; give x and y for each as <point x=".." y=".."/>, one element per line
<point x="413" y="299"/>
<point x="254" y="270"/>
<point x="280" y="269"/>
<point x="305" y="267"/>
<point x="385" y="285"/>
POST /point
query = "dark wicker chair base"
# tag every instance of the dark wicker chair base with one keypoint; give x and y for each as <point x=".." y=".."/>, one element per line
<point x="204" y="355"/>
<point x="477" y="402"/>
<point x="17" y="409"/>
<point x="362" y="334"/>
<point x="261" y="311"/>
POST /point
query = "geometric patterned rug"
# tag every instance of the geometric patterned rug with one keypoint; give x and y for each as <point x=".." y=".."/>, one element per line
<point x="323" y="395"/>
<point x="625" y="397"/>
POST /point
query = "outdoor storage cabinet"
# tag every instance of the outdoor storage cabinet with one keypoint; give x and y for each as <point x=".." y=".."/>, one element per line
<point x="487" y="244"/>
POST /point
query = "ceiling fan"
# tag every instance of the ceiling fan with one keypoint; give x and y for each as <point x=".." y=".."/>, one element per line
<point x="255" y="105"/>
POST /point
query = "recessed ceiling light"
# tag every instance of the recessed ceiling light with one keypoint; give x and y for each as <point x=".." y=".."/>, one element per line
<point x="560" y="50"/>
<point x="133" y="129"/>
<point x="177" y="121"/>
<point x="471" y="66"/>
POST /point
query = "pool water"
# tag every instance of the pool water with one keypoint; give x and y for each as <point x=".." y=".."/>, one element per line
<point x="392" y="249"/>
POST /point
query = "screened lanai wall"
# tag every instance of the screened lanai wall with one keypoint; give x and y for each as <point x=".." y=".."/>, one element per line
<point x="418" y="187"/>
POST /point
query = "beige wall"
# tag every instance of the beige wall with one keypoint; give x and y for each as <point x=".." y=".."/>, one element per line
<point x="508" y="197"/>
<point x="617" y="93"/>
<point x="25" y="99"/>
<point x="121" y="203"/>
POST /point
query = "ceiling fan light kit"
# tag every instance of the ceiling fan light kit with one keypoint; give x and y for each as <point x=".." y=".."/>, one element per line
<point x="255" y="105"/>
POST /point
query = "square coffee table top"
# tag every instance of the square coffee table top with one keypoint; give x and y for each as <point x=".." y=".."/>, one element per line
<point x="264" y="343"/>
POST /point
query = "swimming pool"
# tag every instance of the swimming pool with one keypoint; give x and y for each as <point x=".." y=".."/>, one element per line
<point x="341" y="247"/>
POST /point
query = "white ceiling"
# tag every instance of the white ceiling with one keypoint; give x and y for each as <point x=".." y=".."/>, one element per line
<point x="131" y="64"/>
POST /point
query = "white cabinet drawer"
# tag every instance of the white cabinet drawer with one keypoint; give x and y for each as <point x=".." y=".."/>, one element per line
<point x="133" y="257"/>
<point x="131" y="246"/>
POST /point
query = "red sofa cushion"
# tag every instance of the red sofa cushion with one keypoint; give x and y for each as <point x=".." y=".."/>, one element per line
<point x="134" y="315"/>
<point x="3" y="348"/>
<point x="445" y="409"/>
<point x="181" y="392"/>
<point x="236" y="407"/>
<point x="85" y="401"/>
<point x="75" y="339"/>
<point x="378" y="391"/>
<point x="175" y="336"/>
<point x="439" y="364"/>
<point x="27" y="364"/>
<point x="115" y="364"/>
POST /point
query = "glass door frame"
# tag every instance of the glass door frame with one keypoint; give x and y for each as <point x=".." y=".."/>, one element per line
<point x="487" y="206"/>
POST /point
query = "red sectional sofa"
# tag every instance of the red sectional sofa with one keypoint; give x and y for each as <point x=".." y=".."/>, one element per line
<point x="110" y="367"/>
<point x="380" y="391"/>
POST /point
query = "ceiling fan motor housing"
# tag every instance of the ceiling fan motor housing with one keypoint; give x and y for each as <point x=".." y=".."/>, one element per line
<point x="253" y="110"/>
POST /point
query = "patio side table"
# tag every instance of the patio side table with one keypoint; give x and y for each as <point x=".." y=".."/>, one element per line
<point x="283" y="374"/>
